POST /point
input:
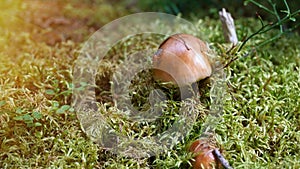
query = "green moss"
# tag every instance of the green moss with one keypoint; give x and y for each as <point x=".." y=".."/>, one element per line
<point x="259" y="129"/>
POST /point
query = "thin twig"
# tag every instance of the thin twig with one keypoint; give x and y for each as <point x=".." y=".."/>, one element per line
<point x="276" y="14"/>
<point x="251" y="36"/>
<point x="232" y="60"/>
<point x="232" y="47"/>
<point x="280" y="21"/>
<point x="261" y="6"/>
<point x="222" y="160"/>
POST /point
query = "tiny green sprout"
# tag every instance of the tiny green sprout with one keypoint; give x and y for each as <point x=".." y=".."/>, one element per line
<point x="2" y="103"/>
<point x="63" y="109"/>
<point x="37" y="115"/>
<point x="50" y="92"/>
<point x="31" y="118"/>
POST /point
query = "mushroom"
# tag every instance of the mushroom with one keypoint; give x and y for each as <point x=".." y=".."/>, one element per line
<point x="204" y="157"/>
<point x="182" y="59"/>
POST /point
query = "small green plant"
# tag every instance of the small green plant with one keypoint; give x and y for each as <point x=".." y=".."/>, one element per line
<point x="280" y="22"/>
<point x="31" y="119"/>
<point x="56" y="92"/>
<point x="60" y="109"/>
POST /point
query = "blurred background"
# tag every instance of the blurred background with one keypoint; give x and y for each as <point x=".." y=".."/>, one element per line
<point x="203" y="8"/>
<point x="196" y="9"/>
<point x="200" y="8"/>
<point x="61" y="20"/>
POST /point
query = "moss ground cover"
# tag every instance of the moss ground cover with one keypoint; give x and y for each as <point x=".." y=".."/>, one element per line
<point x="39" y="129"/>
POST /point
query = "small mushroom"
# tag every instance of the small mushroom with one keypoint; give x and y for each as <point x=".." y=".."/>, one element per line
<point x="204" y="157"/>
<point x="182" y="59"/>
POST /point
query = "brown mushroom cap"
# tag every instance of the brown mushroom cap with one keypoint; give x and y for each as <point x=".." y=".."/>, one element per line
<point x="204" y="157"/>
<point x="181" y="59"/>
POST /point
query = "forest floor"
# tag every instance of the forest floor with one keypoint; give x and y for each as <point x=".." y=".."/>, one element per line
<point x="39" y="44"/>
